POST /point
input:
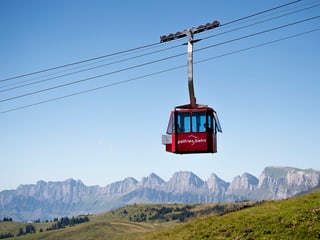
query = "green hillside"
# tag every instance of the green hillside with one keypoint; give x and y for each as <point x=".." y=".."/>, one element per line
<point x="295" y="218"/>
<point x="127" y="222"/>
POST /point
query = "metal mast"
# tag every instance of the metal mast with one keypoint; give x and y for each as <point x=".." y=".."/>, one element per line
<point x="190" y="68"/>
<point x="189" y="33"/>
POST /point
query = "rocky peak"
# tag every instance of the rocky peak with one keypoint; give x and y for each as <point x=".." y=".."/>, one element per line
<point x="152" y="181"/>
<point x="273" y="176"/>
<point x="244" y="183"/>
<point x="302" y="180"/>
<point x="277" y="172"/>
<point x="216" y="184"/>
<point x="282" y="182"/>
<point x="69" y="190"/>
<point x="184" y="182"/>
<point x="120" y="187"/>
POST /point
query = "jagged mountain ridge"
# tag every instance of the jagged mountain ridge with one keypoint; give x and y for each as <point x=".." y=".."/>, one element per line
<point x="46" y="200"/>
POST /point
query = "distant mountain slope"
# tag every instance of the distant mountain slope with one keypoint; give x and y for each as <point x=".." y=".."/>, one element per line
<point x="46" y="200"/>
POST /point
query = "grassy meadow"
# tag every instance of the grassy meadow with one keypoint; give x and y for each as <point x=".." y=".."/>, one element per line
<point x="294" y="218"/>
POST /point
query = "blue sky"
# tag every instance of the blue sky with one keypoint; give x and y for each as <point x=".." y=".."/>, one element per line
<point x="267" y="98"/>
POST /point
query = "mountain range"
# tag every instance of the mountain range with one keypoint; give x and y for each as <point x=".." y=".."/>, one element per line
<point x="48" y="200"/>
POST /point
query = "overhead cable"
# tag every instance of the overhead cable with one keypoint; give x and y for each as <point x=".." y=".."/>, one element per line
<point x="149" y="53"/>
<point x="137" y="48"/>
<point x="75" y="63"/>
<point x="91" y="78"/>
<point x="262" y="21"/>
<point x="259" y="13"/>
<point x="155" y="61"/>
<point x="88" y="69"/>
<point x="258" y="33"/>
<point x="258" y="45"/>
<point x="156" y="73"/>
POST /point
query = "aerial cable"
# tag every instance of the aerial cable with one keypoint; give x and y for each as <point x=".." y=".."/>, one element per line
<point x="257" y="33"/>
<point x="91" y="78"/>
<point x="262" y="21"/>
<point x="256" y="46"/>
<point x="259" y="13"/>
<point x="156" y="73"/>
<point x="137" y="48"/>
<point x="91" y="68"/>
<point x="92" y="89"/>
<point x="21" y="83"/>
<point x="129" y="58"/>
<point x="155" y="61"/>
<point x="79" y="62"/>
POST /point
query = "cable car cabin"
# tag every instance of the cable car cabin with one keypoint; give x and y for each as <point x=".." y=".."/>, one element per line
<point x="192" y="130"/>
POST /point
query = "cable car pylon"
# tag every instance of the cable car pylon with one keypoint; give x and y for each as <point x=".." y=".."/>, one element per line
<point x="192" y="127"/>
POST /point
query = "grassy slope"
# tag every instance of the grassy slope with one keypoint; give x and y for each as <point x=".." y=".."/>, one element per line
<point x="117" y="225"/>
<point x="99" y="227"/>
<point x="295" y="218"/>
<point x="112" y="230"/>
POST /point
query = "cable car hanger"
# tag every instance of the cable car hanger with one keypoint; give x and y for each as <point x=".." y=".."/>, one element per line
<point x="189" y="33"/>
<point x="192" y="127"/>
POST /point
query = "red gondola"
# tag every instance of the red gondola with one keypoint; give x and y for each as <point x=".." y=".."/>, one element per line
<point x="192" y="128"/>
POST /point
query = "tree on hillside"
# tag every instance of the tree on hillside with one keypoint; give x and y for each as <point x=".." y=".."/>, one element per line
<point x="20" y="232"/>
<point x="30" y="229"/>
<point x="6" y="235"/>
